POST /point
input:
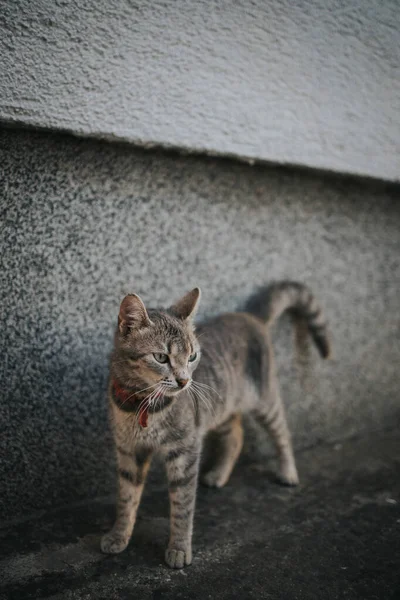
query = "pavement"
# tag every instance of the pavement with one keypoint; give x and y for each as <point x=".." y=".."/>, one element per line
<point x="336" y="536"/>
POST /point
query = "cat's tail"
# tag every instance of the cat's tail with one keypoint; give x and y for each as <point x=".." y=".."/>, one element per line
<point x="270" y="302"/>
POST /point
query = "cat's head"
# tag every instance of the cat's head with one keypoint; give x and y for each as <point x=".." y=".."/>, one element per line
<point x="156" y="349"/>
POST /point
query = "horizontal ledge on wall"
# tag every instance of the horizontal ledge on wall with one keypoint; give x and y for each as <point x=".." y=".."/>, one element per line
<point x="322" y="167"/>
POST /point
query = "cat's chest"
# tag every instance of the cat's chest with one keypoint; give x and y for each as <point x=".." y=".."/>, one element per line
<point x="131" y="433"/>
<point x="150" y="435"/>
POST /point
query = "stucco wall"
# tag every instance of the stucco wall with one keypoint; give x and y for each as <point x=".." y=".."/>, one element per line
<point x="84" y="222"/>
<point x="306" y="82"/>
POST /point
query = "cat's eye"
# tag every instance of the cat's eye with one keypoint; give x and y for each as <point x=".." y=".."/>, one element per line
<point x="161" y="358"/>
<point x="193" y="357"/>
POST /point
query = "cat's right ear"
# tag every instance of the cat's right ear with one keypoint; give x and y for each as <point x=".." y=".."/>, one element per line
<point x="186" y="307"/>
<point x="132" y="314"/>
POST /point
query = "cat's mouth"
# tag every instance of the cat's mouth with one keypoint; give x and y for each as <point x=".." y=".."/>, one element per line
<point x="173" y="392"/>
<point x="169" y="389"/>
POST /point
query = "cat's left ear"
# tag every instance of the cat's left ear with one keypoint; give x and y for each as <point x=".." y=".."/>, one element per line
<point x="132" y="314"/>
<point x="187" y="306"/>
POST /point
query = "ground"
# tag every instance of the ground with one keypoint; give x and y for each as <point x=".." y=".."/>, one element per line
<point x="335" y="536"/>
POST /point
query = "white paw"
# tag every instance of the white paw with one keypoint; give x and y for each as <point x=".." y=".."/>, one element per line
<point x="214" y="479"/>
<point x="288" y="475"/>
<point x="177" y="559"/>
<point x="113" y="543"/>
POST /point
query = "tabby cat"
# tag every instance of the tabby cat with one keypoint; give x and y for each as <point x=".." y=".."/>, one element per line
<point x="171" y="384"/>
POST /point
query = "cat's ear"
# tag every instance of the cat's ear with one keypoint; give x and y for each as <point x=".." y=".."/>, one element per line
<point x="186" y="307"/>
<point x="132" y="314"/>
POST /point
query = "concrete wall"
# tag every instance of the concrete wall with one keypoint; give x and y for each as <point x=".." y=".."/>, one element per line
<point x="307" y="82"/>
<point x="84" y="222"/>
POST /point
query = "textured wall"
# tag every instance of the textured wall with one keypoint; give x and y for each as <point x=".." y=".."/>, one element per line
<point x="306" y="82"/>
<point x="84" y="222"/>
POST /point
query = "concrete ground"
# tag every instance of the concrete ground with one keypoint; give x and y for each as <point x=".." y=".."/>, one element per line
<point x="336" y="536"/>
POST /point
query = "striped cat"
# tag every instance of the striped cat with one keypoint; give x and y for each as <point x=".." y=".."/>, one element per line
<point x="171" y="385"/>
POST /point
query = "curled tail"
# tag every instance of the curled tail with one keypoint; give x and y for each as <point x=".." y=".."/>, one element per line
<point x="270" y="302"/>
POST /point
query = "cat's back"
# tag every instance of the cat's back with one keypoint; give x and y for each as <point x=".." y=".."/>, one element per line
<point x="235" y="359"/>
<point x="233" y="323"/>
<point x="229" y="335"/>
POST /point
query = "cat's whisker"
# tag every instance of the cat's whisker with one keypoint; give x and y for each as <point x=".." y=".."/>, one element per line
<point x="194" y="402"/>
<point x="161" y="414"/>
<point x="205" y="385"/>
<point x="146" y="402"/>
<point x="205" y="401"/>
<point x="191" y="398"/>
<point x="204" y="393"/>
<point x="160" y="398"/>
<point x="142" y="404"/>
<point x="208" y="407"/>
<point x="201" y="335"/>
<point x="159" y="395"/>
<point x="144" y="407"/>
<point x="157" y="402"/>
<point x="138" y="392"/>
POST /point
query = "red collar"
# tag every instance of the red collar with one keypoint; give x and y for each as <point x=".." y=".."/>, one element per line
<point x="121" y="392"/>
<point x="125" y="395"/>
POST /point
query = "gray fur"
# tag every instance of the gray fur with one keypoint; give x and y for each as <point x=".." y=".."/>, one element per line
<point x="235" y="375"/>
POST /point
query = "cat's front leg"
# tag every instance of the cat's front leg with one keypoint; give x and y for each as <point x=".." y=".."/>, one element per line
<point x="182" y="465"/>
<point x="132" y="471"/>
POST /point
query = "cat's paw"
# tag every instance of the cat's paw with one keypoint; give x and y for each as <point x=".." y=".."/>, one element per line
<point x="177" y="559"/>
<point x="214" y="479"/>
<point x="288" y="475"/>
<point x="113" y="543"/>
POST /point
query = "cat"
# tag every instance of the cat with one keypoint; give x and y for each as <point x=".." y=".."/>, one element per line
<point x="172" y="383"/>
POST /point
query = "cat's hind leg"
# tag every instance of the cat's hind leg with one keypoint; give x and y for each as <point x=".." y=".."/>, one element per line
<point x="272" y="418"/>
<point x="227" y="445"/>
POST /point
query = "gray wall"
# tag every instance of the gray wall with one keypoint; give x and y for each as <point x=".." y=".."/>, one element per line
<point x="307" y="82"/>
<point x="84" y="222"/>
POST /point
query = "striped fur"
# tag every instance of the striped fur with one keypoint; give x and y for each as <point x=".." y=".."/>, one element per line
<point x="270" y="302"/>
<point x="235" y="375"/>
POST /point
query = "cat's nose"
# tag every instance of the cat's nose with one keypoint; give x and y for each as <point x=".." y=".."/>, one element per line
<point x="182" y="382"/>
